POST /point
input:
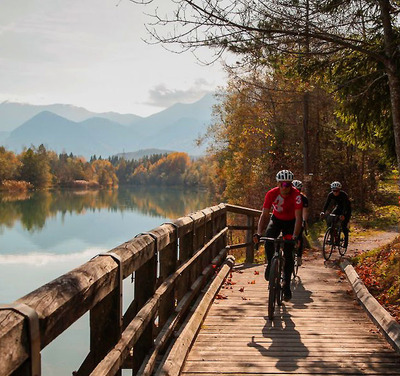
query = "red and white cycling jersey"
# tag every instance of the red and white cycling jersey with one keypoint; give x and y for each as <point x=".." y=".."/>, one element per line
<point x="283" y="207"/>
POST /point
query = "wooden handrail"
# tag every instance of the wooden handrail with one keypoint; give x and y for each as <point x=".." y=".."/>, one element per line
<point x="129" y="337"/>
<point x="243" y="210"/>
<point x="169" y="263"/>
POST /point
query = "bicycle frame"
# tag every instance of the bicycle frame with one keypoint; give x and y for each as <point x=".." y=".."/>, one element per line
<point x="336" y="227"/>
<point x="333" y="238"/>
<point x="276" y="274"/>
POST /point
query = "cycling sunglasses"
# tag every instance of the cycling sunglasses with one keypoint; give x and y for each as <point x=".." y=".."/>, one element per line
<point x="335" y="190"/>
<point x="286" y="184"/>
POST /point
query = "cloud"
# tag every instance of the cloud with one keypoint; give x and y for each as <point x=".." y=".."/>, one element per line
<point x="162" y="96"/>
<point x="38" y="258"/>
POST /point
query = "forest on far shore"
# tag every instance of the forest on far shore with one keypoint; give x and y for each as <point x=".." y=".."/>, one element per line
<point x="39" y="168"/>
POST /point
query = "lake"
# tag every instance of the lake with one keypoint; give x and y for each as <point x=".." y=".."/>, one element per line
<point x="45" y="234"/>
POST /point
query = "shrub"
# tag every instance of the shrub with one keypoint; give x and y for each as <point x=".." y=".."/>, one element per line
<point x="16" y="186"/>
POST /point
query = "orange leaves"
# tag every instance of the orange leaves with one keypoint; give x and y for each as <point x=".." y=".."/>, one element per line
<point x="230" y="282"/>
<point x="379" y="270"/>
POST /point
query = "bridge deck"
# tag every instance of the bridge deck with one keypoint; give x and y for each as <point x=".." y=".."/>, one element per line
<point x="321" y="331"/>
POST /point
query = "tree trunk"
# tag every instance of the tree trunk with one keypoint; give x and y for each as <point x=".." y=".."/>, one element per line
<point x="394" y="86"/>
<point x="392" y="71"/>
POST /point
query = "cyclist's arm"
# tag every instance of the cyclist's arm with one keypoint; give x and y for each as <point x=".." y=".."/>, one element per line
<point x="263" y="221"/>
<point x="298" y="223"/>
<point x="327" y="202"/>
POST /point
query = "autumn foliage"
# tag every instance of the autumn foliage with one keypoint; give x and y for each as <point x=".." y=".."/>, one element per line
<point x="38" y="168"/>
<point x="258" y="130"/>
<point x="380" y="272"/>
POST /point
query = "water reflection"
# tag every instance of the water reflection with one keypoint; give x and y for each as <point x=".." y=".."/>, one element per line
<point x="34" y="209"/>
<point x="45" y="234"/>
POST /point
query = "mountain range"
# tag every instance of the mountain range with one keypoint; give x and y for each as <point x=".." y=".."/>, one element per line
<point x="66" y="128"/>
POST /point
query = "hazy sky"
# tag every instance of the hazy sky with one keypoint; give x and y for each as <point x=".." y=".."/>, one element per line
<point x="90" y="53"/>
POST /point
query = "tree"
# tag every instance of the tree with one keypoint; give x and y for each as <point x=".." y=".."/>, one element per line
<point x="258" y="132"/>
<point x="169" y="170"/>
<point x="257" y="30"/>
<point x="9" y="165"/>
<point x="105" y="173"/>
<point x="35" y="167"/>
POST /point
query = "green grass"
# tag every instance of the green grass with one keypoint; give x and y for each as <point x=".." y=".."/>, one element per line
<point x="380" y="217"/>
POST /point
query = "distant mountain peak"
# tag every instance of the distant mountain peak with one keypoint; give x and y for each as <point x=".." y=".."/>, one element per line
<point x="85" y="133"/>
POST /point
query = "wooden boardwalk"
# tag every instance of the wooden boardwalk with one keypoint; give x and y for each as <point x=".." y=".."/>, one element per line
<point x="321" y="331"/>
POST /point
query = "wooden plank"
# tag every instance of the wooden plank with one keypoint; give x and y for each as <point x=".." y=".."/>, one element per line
<point x="166" y="234"/>
<point x="293" y="366"/>
<point x="166" y="332"/>
<point x="173" y="363"/>
<point x="321" y="331"/>
<point x="64" y="300"/>
<point x="145" y="286"/>
<point x="143" y="319"/>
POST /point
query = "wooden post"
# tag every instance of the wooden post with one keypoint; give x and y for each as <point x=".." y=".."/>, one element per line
<point x="104" y="330"/>
<point x="185" y="252"/>
<point x="145" y="282"/>
<point x="249" y="239"/>
<point x="168" y="264"/>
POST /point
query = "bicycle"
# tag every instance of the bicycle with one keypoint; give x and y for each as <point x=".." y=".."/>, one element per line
<point x="276" y="274"/>
<point x="334" y="238"/>
<point x="296" y="255"/>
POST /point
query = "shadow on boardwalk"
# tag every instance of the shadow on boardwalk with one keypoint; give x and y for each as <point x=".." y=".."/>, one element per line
<point x="321" y="331"/>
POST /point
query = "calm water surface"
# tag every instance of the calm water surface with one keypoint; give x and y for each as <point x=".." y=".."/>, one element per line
<point x="45" y="234"/>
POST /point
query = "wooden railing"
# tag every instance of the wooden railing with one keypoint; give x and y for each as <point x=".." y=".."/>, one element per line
<point x="171" y="264"/>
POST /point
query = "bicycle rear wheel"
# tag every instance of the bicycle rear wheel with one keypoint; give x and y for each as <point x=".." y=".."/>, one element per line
<point x="341" y="247"/>
<point x="328" y="244"/>
<point x="273" y="287"/>
<point x="281" y="284"/>
<point x="296" y="264"/>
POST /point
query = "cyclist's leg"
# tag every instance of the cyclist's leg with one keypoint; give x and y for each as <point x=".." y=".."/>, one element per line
<point x="273" y="230"/>
<point x="300" y="249"/>
<point x="345" y="229"/>
<point x="287" y="229"/>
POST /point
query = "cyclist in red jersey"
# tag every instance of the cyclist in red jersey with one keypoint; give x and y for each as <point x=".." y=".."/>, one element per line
<point x="286" y="204"/>
<point x="299" y="185"/>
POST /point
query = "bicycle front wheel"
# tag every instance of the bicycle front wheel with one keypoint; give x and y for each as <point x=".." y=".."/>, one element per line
<point x="342" y="248"/>
<point x="281" y="285"/>
<point x="296" y="264"/>
<point x="273" y="287"/>
<point x="328" y="244"/>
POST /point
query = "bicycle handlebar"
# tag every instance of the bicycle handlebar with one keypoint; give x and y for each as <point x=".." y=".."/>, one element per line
<point x="278" y="240"/>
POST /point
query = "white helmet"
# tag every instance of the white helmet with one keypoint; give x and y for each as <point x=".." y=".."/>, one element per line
<point x="336" y="185"/>
<point x="297" y="184"/>
<point x="284" y="175"/>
